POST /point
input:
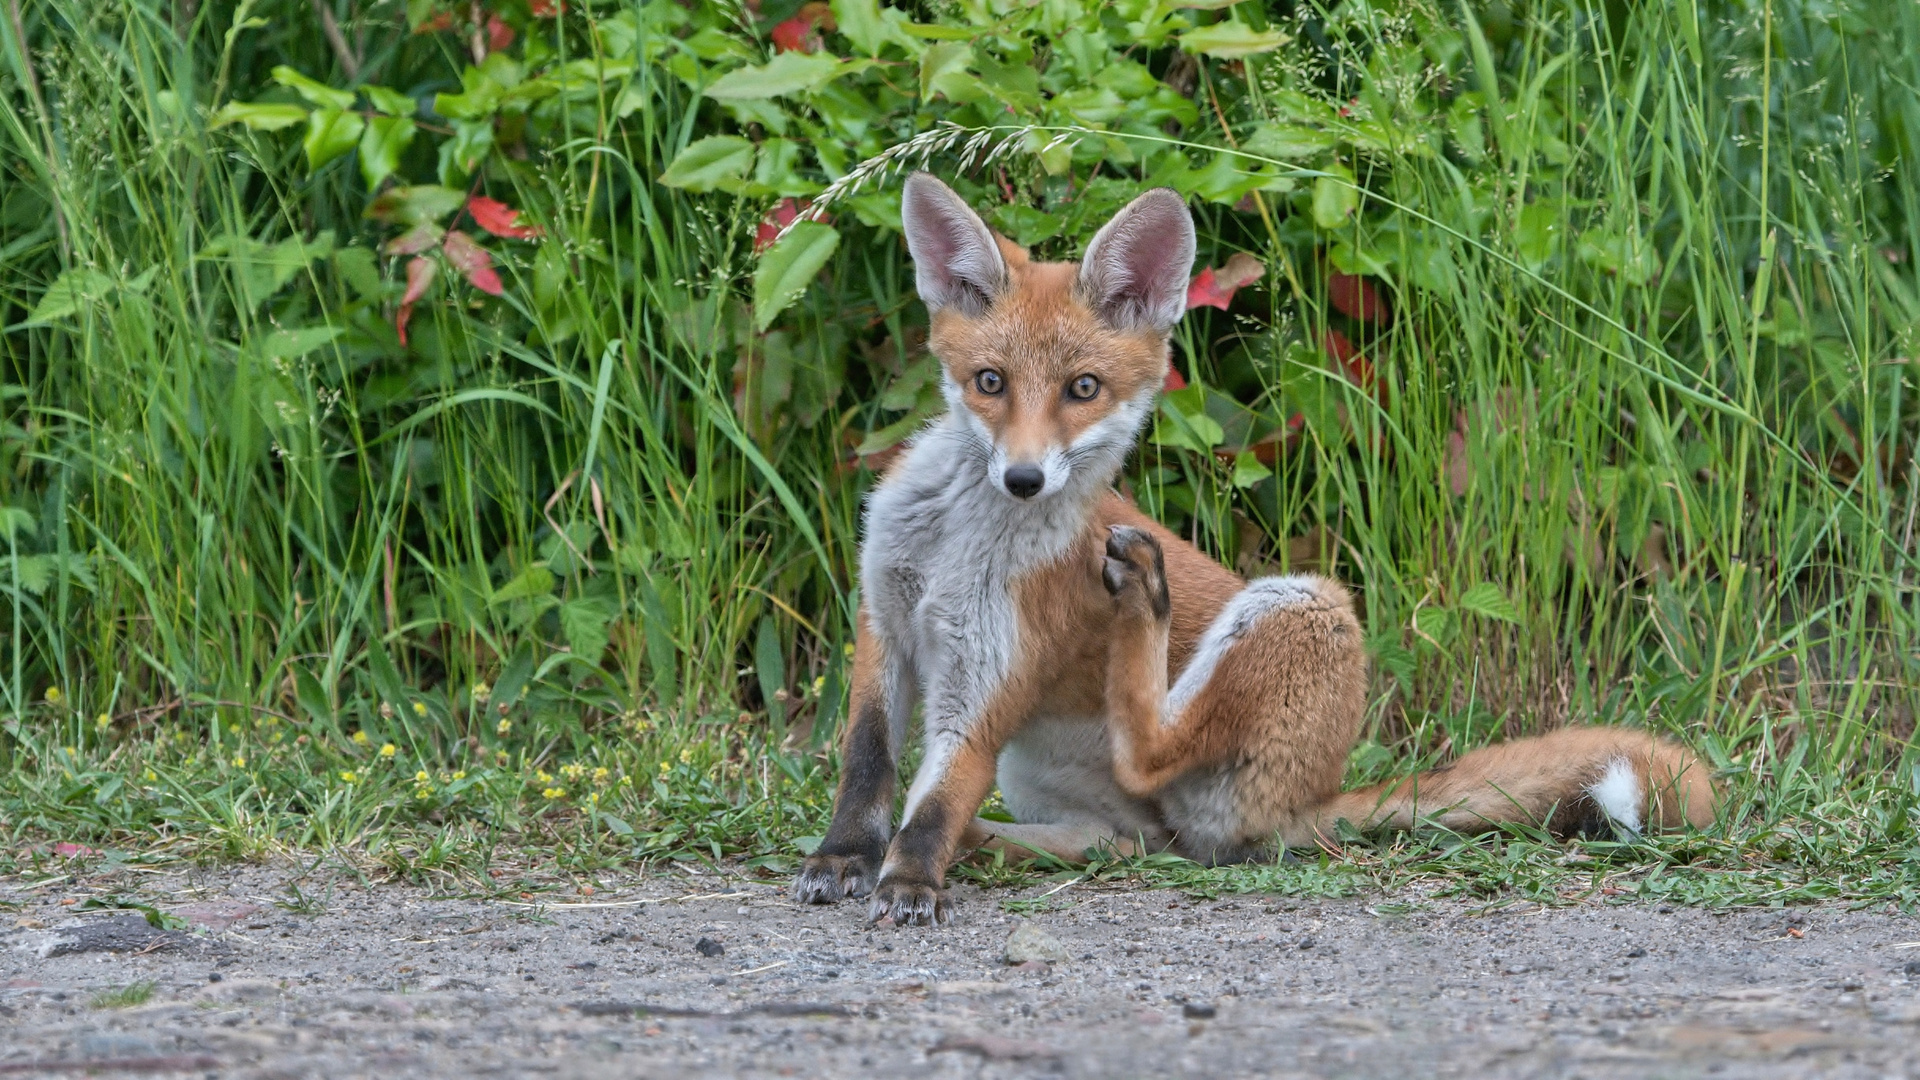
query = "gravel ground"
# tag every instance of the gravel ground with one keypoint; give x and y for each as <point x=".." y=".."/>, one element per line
<point x="675" y="975"/>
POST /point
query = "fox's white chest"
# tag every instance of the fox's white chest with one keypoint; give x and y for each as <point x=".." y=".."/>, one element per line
<point x="943" y="550"/>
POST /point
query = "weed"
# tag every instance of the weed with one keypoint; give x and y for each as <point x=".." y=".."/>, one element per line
<point x="123" y="997"/>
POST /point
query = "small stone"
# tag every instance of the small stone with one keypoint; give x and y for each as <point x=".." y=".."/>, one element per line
<point x="1913" y="969"/>
<point x="1306" y="943"/>
<point x="1028" y="942"/>
<point x="1636" y="952"/>
<point x="708" y="947"/>
<point x="1194" y="1010"/>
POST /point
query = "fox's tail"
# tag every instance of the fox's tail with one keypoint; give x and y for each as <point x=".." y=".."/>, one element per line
<point x="1578" y="780"/>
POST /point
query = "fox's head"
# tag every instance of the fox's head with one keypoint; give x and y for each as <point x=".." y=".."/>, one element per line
<point x="1052" y="366"/>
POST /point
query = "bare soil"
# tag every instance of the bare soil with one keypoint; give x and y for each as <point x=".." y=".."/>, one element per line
<point x="392" y="981"/>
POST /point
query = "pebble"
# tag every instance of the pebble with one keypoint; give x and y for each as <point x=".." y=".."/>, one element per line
<point x="706" y="946"/>
<point x="1028" y="943"/>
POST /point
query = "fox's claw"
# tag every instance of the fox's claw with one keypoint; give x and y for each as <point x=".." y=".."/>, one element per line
<point x="824" y="879"/>
<point x="1135" y="568"/>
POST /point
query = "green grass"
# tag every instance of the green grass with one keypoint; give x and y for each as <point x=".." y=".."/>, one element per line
<point x="123" y="997"/>
<point x="1643" y="451"/>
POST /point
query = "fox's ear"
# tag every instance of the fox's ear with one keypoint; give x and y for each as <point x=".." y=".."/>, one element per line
<point x="1135" y="273"/>
<point x="955" y="260"/>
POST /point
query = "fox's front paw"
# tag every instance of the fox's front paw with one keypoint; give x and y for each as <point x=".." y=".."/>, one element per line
<point x="824" y="879"/>
<point x="909" y="901"/>
<point x="1134" y="569"/>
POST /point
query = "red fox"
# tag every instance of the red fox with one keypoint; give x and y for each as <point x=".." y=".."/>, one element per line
<point x="1121" y="687"/>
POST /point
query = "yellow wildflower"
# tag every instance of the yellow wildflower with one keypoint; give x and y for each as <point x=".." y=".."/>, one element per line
<point x="422" y="776"/>
<point x="503" y="726"/>
<point x="481" y="692"/>
<point x="348" y="776"/>
<point x="103" y="721"/>
<point x="387" y="750"/>
<point x="53" y="695"/>
<point x="600" y="774"/>
<point x="664" y="767"/>
<point x="360" y="738"/>
<point x="543" y="776"/>
<point x="151" y="776"/>
<point x="419" y="708"/>
<point x="686" y="756"/>
<point x="239" y="761"/>
<point x="555" y="792"/>
<point x="461" y="775"/>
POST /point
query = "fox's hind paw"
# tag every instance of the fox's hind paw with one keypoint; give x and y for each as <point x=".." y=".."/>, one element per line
<point x="1134" y="569"/>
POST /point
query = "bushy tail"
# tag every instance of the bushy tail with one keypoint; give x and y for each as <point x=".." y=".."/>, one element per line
<point x="1577" y="780"/>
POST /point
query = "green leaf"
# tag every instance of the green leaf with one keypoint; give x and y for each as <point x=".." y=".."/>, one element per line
<point x="15" y="520"/>
<point x="330" y="133"/>
<point x="787" y="73"/>
<point x="770" y="669"/>
<point x="710" y="163"/>
<point x="386" y="139"/>
<point x="258" y="117"/>
<point x="1231" y="40"/>
<point x="1537" y="234"/>
<point x="1248" y="471"/>
<point x="535" y="580"/>
<point x="584" y="622"/>
<point x="472" y="141"/>
<point x="297" y="342"/>
<point x="317" y="92"/>
<point x="1287" y="141"/>
<point x="413" y="205"/>
<point x="68" y="294"/>
<point x="1183" y="422"/>
<point x="788" y="267"/>
<point x="1335" y="198"/>
<point x="869" y="26"/>
<point x="946" y="58"/>
<point x="1487" y="600"/>
<point x="391" y="102"/>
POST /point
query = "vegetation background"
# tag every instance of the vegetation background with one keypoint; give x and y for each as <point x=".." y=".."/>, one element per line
<point x="436" y="423"/>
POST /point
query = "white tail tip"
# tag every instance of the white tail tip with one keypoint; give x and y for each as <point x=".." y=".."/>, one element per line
<point x="1618" y="795"/>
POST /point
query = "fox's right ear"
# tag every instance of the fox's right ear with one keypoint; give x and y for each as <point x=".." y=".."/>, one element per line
<point x="955" y="260"/>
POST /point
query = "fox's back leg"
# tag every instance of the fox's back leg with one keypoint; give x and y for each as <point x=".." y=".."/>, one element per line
<point x="1257" y="729"/>
<point x="1056" y="776"/>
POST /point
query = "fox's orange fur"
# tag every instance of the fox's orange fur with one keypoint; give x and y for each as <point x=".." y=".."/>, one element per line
<point x="1125" y="688"/>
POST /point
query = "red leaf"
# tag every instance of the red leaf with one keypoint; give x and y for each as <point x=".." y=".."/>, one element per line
<point x="499" y="219"/>
<point x="499" y="34"/>
<point x="72" y="851"/>
<point x="441" y="21"/>
<point x="1358" y="368"/>
<point x="795" y="35"/>
<point x="420" y="271"/>
<point x="1215" y="288"/>
<point x="784" y="213"/>
<point x="1355" y="297"/>
<point x="547" y="9"/>
<point x="1173" y="381"/>
<point x="473" y="262"/>
<point x="415" y="240"/>
<point x="798" y="33"/>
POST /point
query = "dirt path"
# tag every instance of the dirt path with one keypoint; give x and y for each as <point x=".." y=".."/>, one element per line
<point x="387" y="982"/>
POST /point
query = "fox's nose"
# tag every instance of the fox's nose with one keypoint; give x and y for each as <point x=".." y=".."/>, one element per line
<point x="1025" y="481"/>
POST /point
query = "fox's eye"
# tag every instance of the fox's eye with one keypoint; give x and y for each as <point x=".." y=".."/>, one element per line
<point x="989" y="382"/>
<point x="1083" y="388"/>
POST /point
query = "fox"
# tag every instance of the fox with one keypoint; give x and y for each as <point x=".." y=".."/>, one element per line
<point x="1121" y="688"/>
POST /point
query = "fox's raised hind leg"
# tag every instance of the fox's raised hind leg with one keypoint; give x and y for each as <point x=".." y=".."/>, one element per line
<point x="1258" y="725"/>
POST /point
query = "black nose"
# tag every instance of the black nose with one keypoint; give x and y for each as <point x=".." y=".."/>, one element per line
<point x="1025" y="481"/>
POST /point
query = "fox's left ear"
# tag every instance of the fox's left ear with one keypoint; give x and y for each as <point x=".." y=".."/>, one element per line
<point x="1135" y="272"/>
